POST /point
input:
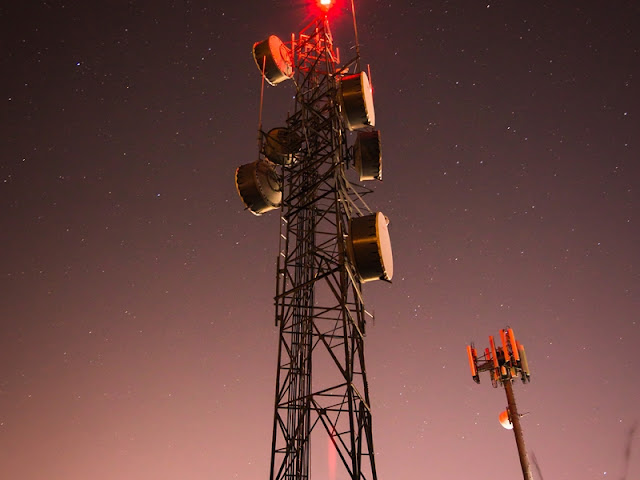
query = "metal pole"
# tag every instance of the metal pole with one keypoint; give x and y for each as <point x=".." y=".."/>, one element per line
<point x="517" y="431"/>
<point x="355" y="30"/>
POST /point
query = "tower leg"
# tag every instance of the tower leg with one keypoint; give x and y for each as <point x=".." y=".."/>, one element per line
<point x="517" y="431"/>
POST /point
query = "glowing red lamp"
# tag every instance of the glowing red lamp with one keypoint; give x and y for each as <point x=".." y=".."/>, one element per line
<point x="325" y="4"/>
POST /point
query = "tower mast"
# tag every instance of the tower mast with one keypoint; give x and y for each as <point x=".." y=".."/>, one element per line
<point x="330" y="244"/>
<point x="504" y="364"/>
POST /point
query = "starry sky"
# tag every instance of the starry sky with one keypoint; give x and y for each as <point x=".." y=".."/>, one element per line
<point x="137" y="335"/>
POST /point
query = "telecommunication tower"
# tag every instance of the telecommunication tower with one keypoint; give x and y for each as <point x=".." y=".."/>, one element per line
<point x="331" y="243"/>
<point x="505" y="364"/>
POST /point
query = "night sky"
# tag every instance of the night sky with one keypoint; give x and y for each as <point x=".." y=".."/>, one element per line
<point x="137" y="336"/>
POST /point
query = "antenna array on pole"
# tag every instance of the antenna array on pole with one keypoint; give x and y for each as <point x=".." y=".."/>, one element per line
<point x="505" y="363"/>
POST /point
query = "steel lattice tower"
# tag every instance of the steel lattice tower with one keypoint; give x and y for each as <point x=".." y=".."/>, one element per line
<point x="321" y="381"/>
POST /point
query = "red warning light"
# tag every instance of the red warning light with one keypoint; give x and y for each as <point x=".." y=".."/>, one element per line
<point x="325" y="5"/>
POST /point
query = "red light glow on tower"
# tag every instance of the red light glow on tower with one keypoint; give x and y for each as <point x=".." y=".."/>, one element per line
<point x="324" y="6"/>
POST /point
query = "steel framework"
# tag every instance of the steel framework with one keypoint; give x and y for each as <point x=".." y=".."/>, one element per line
<point x="321" y="381"/>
